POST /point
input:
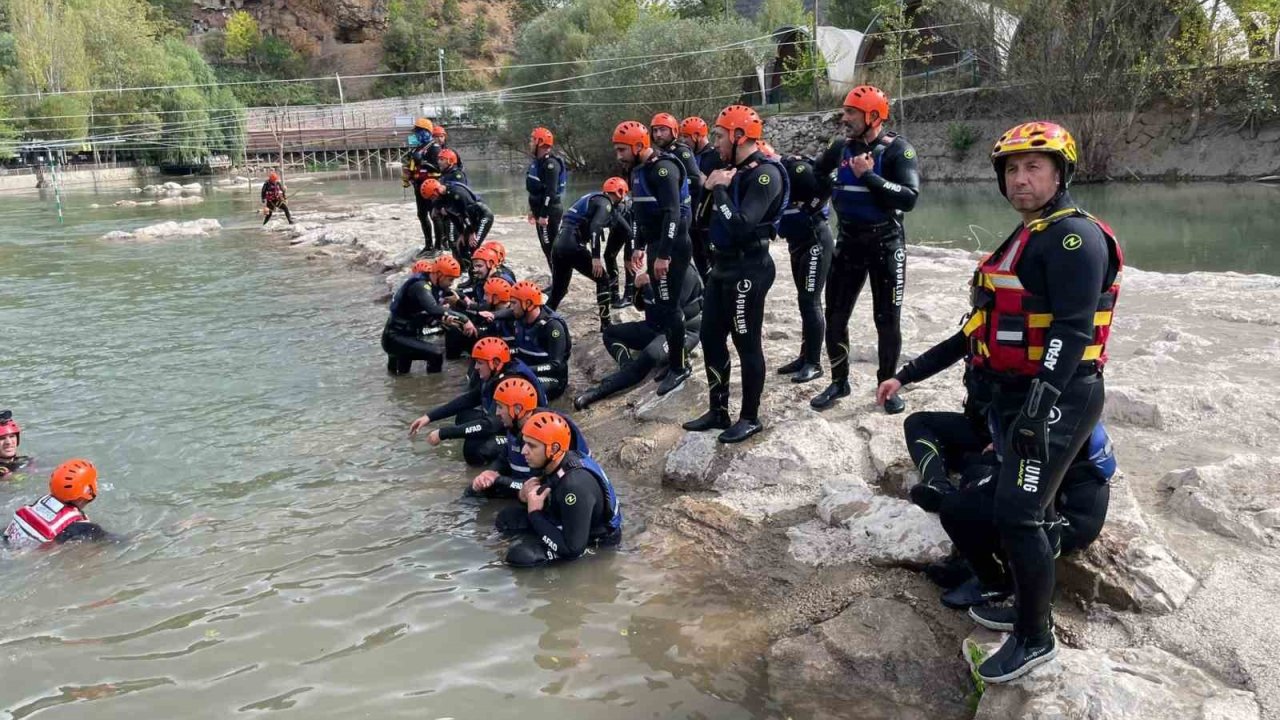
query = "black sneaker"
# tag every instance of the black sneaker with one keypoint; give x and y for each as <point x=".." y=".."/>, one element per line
<point x="828" y="397"/>
<point x="792" y="367"/>
<point x="928" y="496"/>
<point x="894" y="405"/>
<point x="808" y="373"/>
<point x="1017" y="657"/>
<point x="740" y="431"/>
<point x="995" y="617"/>
<point x="972" y="593"/>
<point x="949" y="573"/>
<point x="674" y="380"/>
<point x="586" y="399"/>
<point x="709" y="420"/>
<point x="620" y="302"/>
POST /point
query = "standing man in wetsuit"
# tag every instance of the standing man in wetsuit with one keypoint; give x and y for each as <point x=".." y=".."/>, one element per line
<point x="571" y="504"/>
<point x="1042" y="313"/>
<point x="467" y="220"/>
<point x="274" y="198"/>
<point x="748" y="197"/>
<point x="660" y="202"/>
<point x="422" y="162"/>
<point x="580" y="245"/>
<point x="876" y="182"/>
<point x="545" y="181"/>
<point x="451" y="168"/>
<point x="804" y="225"/>
<point x="664" y="130"/>
<point x="693" y="131"/>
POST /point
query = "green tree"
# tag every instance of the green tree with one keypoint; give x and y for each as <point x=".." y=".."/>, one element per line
<point x="783" y="13"/>
<point x="849" y="14"/>
<point x="243" y="35"/>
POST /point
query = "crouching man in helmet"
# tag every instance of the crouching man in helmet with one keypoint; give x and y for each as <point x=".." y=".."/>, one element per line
<point x="570" y="504"/>
<point x="59" y="516"/>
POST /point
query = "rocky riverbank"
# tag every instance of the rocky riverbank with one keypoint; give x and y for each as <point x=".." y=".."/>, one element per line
<point x="1171" y="614"/>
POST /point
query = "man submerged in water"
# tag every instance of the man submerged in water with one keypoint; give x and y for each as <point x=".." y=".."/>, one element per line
<point x="59" y="516"/>
<point x="10" y="438"/>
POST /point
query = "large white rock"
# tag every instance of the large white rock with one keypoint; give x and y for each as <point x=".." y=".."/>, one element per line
<point x="689" y="463"/>
<point x="181" y="200"/>
<point x="1142" y="683"/>
<point x="858" y="525"/>
<point x="190" y="228"/>
<point x="1237" y="498"/>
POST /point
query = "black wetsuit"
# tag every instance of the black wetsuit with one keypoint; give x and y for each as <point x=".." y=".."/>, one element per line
<point x="577" y="516"/>
<point x="622" y="235"/>
<point x="871" y="244"/>
<point x="581" y="242"/>
<point x="464" y="214"/>
<point x="809" y="243"/>
<point x="421" y="163"/>
<point x="1069" y="274"/>
<point x="708" y="159"/>
<point x="742" y="224"/>
<point x="639" y="347"/>
<point x="273" y="197"/>
<point x="414" y="306"/>
<point x="659" y="194"/>
<point x="483" y="436"/>
<point x="544" y="183"/>
<point x="545" y="345"/>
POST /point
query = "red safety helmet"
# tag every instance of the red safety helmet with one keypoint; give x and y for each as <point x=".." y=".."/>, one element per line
<point x="273" y="177"/>
<point x="74" y="480"/>
<point x="527" y="293"/>
<point x="694" y="127"/>
<point x="517" y="395"/>
<point x="9" y="426"/>
<point x="869" y="99"/>
<point x="542" y="136"/>
<point x="497" y="290"/>
<point x="741" y="117"/>
<point x="552" y="431"/>
<point x="431" y="188"/>
<point x="439" y="132"/>
<point x="632" y="133"/>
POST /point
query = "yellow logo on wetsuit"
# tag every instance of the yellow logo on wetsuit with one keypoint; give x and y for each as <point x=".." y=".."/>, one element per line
<point x="1072" y="242"/>
<point x="909" y="154"/>
<point x="764" y="179"/>
<point x="570" y="499"/>
<point x="663" y="172"/>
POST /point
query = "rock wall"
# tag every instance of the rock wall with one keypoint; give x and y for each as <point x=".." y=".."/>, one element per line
<point x="1155" y="145"/>
<point x="69" y="177"/>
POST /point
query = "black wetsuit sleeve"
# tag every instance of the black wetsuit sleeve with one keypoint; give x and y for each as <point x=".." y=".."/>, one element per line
<point x="549" y="194"/>
<point x="1073" y="282"/>
<point x="570" y="539"/>
<point x="690" y="162"/>
<point x="619" y="223"/>
<point x="899" y="187"/>
<point x="555" y="341"/>
<point x="934" y="360"/>
<point x="468" y="399"/>
<point x="667" y="191"/>
<point x="427" y="302"/>
<point x="504" y="315"/>
<point x="601" y="218"/>
<point x="430" y="160"/>
<point x="487" y="424"/>
<point x="757" y="199"/>
<point x="481" y="218"/>
<point x="84" y="531"/>
<point x="830" y="159"/>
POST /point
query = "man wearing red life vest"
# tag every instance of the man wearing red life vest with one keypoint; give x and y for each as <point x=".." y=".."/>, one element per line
<point x="59" y="516"/>
<point x="1037" y="334"/>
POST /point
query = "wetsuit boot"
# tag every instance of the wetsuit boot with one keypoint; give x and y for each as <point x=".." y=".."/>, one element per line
<point x="741" y="430"/>
<point x="1018" y="656"/>
<point x="713" y="419"/>
<point x="808" y="373"/>
<point x="828" y="397"/>
<point x="792" y="367"/>
<point x="671" y="381"/>
<point x="588" y="398"/>
<point x="972" y="593"/>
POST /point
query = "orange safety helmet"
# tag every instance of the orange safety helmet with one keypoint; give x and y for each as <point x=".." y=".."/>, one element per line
<point x="423" y="124"/>
<point x="448" y="158"/>
<point x="542" y="136"/>
<point x="497" y="289"/>
<point x="741" y="117"/>
<point x="1037" y="136"/>
<point x="767" y="149"/>
<point x="439" y="132"/>
<point x="869" y="99"/>
<point x="516" y="392"/>
<point x="491" y="350"/>
<point x="552" y="431"/>
<point x="666" y="120"/>
<point x="74" y="480"/>
<point x="616" y="185"/>
<point x="502" y="249"/>
<point x="431" y="188"/>
<point x="632" y="133"/>
<point x="447" y="266"/>
<point x="424" y="267"/>
<point x="694" y="127"/>
<point x="273" y="177"/>
<point x="485" y="254"/>
<point x="527" y="291"/>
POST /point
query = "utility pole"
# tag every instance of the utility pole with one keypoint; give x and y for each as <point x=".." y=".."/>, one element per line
<point x="813" y="55"/>
<point x="441" y="56"/>
<point x="342" y="101"/>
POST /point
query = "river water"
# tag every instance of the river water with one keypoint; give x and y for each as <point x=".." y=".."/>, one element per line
<point x="287" y="549"/>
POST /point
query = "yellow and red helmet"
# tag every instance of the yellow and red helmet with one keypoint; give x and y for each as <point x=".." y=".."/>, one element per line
<point x="694" y="127"/>
<point x="741" y="117"/>
<point x="552" y="431"/>
<point x="431" y="188"/>
<point x="497" y="290"/>
<point x="869" y="99"/>
<point x="74" y="480"/>
<point x="517" y="395"/>
<point x="632" y="133"/>
<point x="542" y="136"/>
<point x="1037" y="137"/>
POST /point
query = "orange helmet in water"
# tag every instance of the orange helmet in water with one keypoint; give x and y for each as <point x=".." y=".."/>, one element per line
<point x="74" y="480"/>
<point x="552" y="431"/>
<point x="491" y="351"/>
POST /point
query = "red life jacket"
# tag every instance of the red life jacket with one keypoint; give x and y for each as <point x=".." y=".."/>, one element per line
<point x="41" y="522"/>
<point x="1007" y="325"/>
<point x="275" y="193"/>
